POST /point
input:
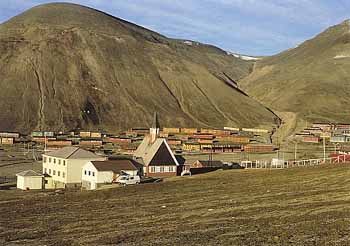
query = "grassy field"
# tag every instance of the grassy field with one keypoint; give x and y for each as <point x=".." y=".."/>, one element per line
<point x="299" y="206"/>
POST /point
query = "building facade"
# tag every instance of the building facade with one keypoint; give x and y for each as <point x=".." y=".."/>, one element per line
<point x="29" y="180"/>
<point x="97" y="173"/>
<point x="65" y="165"/>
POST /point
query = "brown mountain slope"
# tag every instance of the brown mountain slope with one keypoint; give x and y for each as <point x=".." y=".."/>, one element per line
<point x="66" y="66"/>
<point x="311" y="81"/>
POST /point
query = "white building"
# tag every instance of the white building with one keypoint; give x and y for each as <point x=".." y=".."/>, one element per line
<point x="96" y="173"/>
<point x="29" y="180"/>
<point x="65" y="165"/>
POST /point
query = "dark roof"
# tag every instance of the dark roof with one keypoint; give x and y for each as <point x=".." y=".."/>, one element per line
<point x="211" y="163"/>
<point x="116" y="165"/>
<point x="155" y="123"/>
<point x="180" y="159"/>
<point x="148" y="150"/>
<point x="162" y="157"/>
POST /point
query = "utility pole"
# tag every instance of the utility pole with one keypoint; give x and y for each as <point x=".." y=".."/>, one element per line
<point x="324" y="149"/>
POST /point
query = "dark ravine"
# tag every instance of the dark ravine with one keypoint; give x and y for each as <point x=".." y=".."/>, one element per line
<point x="92" y="70"/>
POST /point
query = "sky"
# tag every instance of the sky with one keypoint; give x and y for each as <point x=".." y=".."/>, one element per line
<point x="250" y="27"/>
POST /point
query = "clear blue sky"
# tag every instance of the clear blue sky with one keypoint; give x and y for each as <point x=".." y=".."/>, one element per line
<point x="253" y="27"/>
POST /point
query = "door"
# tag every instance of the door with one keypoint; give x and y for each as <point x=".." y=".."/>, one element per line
<point x="92" y="185"/>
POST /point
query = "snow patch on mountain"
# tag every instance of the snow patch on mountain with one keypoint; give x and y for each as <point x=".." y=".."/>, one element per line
<point x="341" y="56"/>
<point x="243" y="57"/>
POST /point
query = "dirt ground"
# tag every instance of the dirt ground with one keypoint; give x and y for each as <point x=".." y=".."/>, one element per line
<point x="298" y="206"/>
<point x="15" y="159"/>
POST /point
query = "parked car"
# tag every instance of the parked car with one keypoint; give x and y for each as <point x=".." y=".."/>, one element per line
<point x="232" y="165"/>
<point x="128" y="180"/>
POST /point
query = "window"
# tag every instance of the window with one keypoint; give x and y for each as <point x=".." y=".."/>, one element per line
<point x="63" y="174"/>
<point x="49" y="171"/>
<point x="85" y="172"/>
<point x="45" y="170"/>
<point x="64" y="162"/>
<point x="53" y="172"/>
<point x="93" y="174"/>
<point x="45" y="159"/>
<point x="54" y="161"/>
<point x="59" y="162"/>
<point x="157" y="169"/>
<point x="58" y="173"/>
<point x="153" y="169"/>
<point x="161" y="169"/>
<point x="46" y="182"/>
<point x="49" y="159"/>
<point x="89" y="173"/>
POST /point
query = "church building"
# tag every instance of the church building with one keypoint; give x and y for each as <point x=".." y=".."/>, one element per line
<point x="156" y="156"/>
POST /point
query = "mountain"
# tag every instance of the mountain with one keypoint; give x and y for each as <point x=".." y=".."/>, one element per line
<point x="64" y="66"/>
<point x="308" y="83"/>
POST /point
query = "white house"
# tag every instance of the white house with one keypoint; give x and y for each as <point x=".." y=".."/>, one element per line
<point x="96" y="173"/>
<point x="29" y="180"/>
<point x="65" y="165"/>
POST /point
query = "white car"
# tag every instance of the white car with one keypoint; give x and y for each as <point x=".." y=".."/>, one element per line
<point x="128" y="180"/>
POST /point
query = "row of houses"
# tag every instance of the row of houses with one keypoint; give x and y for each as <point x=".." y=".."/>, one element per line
<point x="333" y="133"/>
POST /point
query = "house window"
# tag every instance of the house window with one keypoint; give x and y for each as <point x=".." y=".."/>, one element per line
<point x="54" y="161"/>
<point x="171" y="169"/>
<point x="63" y="174"/>
<point x="153" y="169"/>
<point x="58" y="173"/>
<point x="45" y="170"/>
<point x="53" y="172"/>
<point x="162" y="169"/>
<point x="93" y="174"/>
<point x="46" y="182"/>
<point x="59" y="162"/>
<point x="49" y="171"/>
<point x="45" y="159"/>
<point x="157" y="169"/>
<point x="49" y="159"/>
<point x="64" y="162"/>
<point x="89" y="173"/>
<point x="85" y="172"/>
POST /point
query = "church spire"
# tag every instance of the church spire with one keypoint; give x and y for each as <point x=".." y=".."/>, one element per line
<point x="154" y="130"/>
<point x="155" y="121"/>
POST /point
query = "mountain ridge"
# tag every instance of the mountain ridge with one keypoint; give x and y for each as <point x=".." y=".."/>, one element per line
<point x="67" y="66"/>
<point x="311" y="80"/>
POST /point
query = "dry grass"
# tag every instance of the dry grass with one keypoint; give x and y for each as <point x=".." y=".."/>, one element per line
<point x="301" y="206"/>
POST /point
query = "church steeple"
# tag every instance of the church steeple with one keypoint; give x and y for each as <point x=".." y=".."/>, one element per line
<point x="154" y="130"/>
<point x="155" y="121"/>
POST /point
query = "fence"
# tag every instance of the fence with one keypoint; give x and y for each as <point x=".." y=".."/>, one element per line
<point x="298" y="163"/>
<point x="7" y="179"/>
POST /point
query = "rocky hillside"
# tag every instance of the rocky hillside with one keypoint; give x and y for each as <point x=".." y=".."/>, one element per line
<point x="64" y="66"/>
<point x="308" y="83"/>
